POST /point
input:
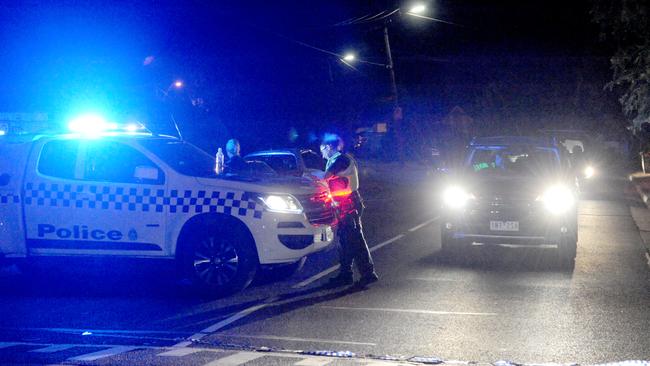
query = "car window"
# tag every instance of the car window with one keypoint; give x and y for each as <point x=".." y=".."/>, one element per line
<point x="59" y="158"/>
<point x="109" y="161"/>
<point x="313" y="160"/>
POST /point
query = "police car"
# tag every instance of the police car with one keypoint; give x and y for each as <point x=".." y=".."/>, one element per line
<point x="512" y="190"/>
<point x="134" y="194"/>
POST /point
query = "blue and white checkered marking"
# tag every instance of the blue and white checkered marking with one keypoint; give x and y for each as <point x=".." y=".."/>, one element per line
<point x="141" y="199"/>
<point x="8" y="198"/>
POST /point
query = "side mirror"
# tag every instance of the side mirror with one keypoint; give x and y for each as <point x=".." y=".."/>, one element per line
<point x="143" y="172"/>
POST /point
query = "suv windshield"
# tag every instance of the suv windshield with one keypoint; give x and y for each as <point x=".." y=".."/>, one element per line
<point x="513" y="161"/>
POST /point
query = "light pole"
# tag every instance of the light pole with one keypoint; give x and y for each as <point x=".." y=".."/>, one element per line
<point x="416" y="10"/>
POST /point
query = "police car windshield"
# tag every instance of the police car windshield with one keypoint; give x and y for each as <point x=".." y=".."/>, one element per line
<point x="183" y="157"/>
<point x="514" y="161"/>
<point x="283" y="164"/>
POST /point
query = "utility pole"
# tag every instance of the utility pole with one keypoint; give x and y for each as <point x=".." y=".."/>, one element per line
<point x="390" y="66"/>
<point x="397" y="110"/>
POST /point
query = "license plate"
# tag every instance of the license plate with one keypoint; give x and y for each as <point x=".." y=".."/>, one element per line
<point x="504" y="225"/>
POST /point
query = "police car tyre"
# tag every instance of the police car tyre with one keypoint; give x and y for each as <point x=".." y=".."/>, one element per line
<point x="218" y="255"/>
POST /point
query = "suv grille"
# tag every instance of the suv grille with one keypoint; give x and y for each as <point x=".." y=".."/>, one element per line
<point x="318" y="208"/>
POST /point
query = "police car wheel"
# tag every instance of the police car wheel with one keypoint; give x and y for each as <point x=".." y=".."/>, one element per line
<point x="218" y="262"/>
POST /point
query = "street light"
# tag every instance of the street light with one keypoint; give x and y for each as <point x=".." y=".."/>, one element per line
<point x="418" y="9"/>
<point x="349" y="57"/>
<point x="178" y="84"/>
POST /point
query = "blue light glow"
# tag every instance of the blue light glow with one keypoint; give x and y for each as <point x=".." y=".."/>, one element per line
<point x="90" y="124"/>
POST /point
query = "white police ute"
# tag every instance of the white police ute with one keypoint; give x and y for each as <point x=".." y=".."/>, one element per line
<point x="141" y="195"/>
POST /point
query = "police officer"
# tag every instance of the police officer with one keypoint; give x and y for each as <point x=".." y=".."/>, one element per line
<point x="235" y="163"/>
<point x="343" y="179"/>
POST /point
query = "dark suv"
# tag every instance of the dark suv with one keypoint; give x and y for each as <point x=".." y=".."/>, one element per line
<point x="512" y="190"/>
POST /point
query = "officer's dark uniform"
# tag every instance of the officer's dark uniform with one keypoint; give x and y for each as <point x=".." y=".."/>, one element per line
<point x="344" y="186"/>
<point x="235" y="164"/>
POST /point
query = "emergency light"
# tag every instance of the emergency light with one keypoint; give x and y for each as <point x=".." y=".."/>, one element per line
<point x="92" y="124"/>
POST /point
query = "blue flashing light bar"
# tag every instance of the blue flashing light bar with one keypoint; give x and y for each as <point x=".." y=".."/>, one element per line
<point x="92" y="124"/>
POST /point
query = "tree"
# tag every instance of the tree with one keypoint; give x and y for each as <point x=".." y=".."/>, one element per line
<point x="625" y="25"/>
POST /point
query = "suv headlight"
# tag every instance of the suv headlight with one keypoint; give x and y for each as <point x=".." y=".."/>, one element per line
<point x="557" y="199"/>
<point x="282" y="203"/>
<point x="455" y="197"/>
<point x="589" y="172"/>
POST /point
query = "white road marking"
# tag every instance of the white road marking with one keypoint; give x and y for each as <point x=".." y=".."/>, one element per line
<point x="316" y="277"/>
<point x="537" y="246"/>
<point x="231" y="319"/>
<point x="105" y="331"/>
<point x="244" y="313"/>
<point x="236" y="359"/>
<point x="103" y="354"/>
<point x="182" y="344"/>
<point x="8" y="344"/>
<point x="294" y="339"/>
<point x="418" y="227"/>
<point x="389" y="241"/>
<point x="53" y="348"/>
<point x="239" y="315"/>
<point x="414" y="311"/>
<point x="324" y="273"/>
<point x="180" y="351"/>
<point x="316" y="361"/>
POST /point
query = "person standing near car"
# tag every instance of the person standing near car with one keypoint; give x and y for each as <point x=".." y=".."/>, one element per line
<point x="342" y="176"/>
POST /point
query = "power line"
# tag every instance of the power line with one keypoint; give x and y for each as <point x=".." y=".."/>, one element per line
<point x="435" y="19"/>
<point x="361" y="18"/>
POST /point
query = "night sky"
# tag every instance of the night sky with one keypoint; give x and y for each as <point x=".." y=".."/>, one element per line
<point x="247" y="74"/>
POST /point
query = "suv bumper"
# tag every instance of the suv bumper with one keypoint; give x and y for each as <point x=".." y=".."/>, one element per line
<point x="534" y="228"/>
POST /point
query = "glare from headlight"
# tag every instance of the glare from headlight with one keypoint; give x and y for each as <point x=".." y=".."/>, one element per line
<point x="281" y="203"/>
<point x="589" y="172"/>
<point x="455" y="197"/>
<point x="558" y="199"/>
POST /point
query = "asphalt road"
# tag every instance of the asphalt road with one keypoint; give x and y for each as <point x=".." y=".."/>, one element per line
<point x="495" y="304"/>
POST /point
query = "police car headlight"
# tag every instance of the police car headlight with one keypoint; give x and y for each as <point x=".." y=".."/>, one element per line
<point x="281" y="203"/>
<point x="589" y="172"/>
<point x="557" y="199"/>
<point x="456" y="197"/>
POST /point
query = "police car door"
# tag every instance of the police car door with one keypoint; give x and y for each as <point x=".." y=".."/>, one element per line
<point x="114" y="203"/>
<point x="51" y="192"/>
